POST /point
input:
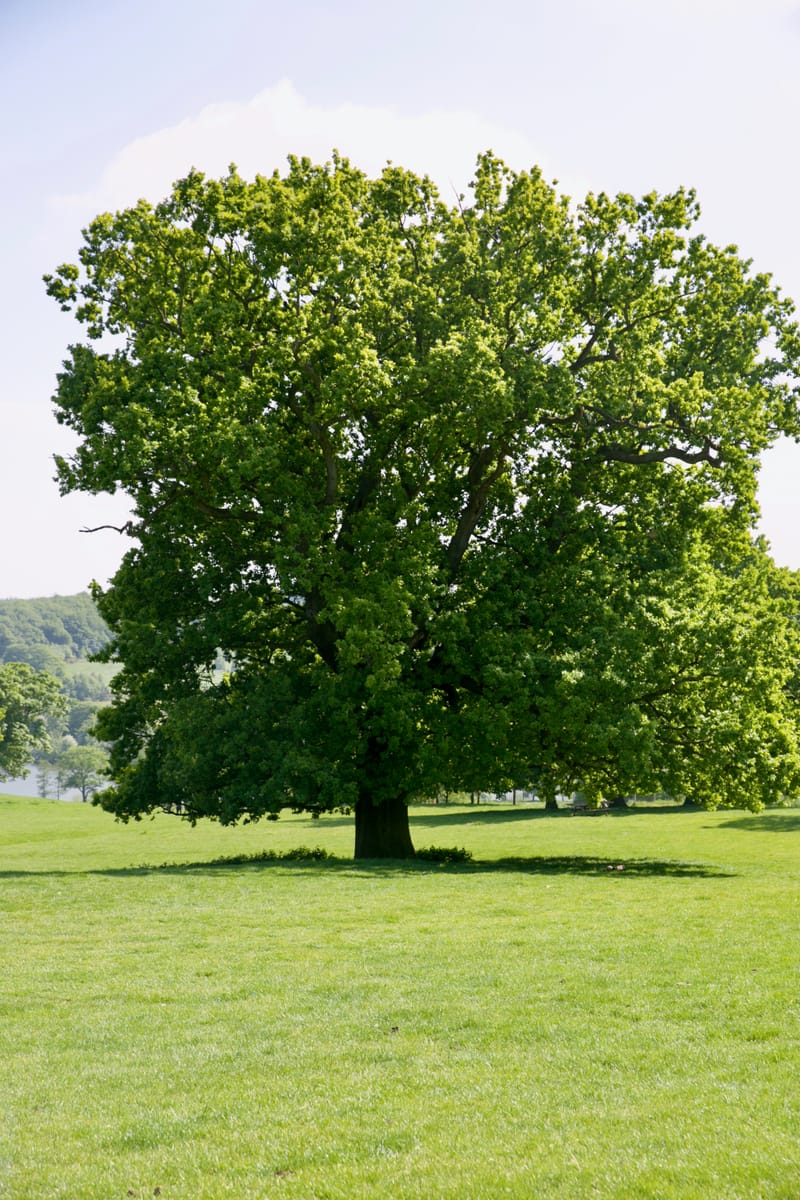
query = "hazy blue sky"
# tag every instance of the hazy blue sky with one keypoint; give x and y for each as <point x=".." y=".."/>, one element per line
<point x="103" y="102"/>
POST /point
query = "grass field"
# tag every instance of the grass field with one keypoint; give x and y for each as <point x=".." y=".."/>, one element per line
<point x="533" y="1025"/>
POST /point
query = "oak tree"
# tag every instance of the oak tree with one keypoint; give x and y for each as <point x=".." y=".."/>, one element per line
<point x="463" y="493"/>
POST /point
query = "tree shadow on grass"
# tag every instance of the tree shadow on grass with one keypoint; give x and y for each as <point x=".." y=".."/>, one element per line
<point x="560" y="865"/>
<point x="485" y="814"/>
<point x="443" y="815"/>
<point x="529" y="865"/>
<point x="436" y="814"/>
<point x="592" y="865"/>
<point x="784" y="821"/>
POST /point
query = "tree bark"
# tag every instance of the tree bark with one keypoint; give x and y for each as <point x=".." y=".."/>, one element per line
<point x="382" y="830"/>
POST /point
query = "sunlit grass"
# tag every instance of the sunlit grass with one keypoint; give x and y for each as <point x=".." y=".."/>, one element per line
<point x="543" y="1027"/>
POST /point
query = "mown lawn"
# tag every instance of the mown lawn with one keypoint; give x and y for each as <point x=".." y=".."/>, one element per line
<point x="542" y="1027"/>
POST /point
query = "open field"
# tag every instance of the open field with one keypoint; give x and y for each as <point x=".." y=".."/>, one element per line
<point x="539" y="1028"/>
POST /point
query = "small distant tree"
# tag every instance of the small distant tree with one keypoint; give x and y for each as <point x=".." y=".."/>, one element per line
<point x="84" y="768"/>
<point x="28" y="698"/>
<point x="44" y="777"/>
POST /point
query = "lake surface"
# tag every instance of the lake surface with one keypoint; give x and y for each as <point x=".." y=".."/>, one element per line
<point x="28" y="786"/>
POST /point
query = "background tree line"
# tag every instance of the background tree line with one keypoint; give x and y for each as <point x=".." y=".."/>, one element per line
<point x="54" y="637"/>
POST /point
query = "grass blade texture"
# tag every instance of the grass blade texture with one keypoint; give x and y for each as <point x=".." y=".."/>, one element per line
<point x="588" y="1008"/>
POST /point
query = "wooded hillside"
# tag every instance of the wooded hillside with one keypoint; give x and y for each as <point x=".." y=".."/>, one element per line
<point x="57" y="634"/>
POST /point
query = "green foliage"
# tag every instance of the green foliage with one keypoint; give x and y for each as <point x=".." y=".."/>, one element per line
<point x="40" y="657"/>
<point x="463" y="494"/>
<point x="444" y="854"/>
<point x="295" y="854"/>
<point x="27" y="699"/>
<point x="81" y="718"/>
<point x="83" y="767"/>
<point x="84" y="686"/>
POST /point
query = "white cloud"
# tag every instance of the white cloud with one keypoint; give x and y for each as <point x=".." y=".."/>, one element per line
<point x="259" y="134"/>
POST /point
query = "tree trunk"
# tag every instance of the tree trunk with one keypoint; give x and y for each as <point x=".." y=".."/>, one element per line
<point x="382" y="829"/>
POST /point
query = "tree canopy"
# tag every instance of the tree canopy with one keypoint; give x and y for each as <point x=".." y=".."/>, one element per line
<point x="464" y="494"/>
<point x="27" y="699"/>
<point x="84" y="768"/>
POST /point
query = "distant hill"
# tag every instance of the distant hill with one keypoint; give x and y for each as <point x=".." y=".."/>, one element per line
<point x="70" y="626"/>
<point x="58" y="634"/>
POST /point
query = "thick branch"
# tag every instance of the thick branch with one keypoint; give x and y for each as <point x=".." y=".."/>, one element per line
<point x="593" y="420"/>
<point x="367" y="484"/>
<point x="320" y="435"/>
<point x="331" y="469"/>
<point x="321" y="633"/>
<point x="709" y="453"/>
<point x="585" y="354"/>
<point x="217" y="513"/>
<point x="476" y="503"/>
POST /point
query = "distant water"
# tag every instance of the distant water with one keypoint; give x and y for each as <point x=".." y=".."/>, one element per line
<point x="27" y="786"/>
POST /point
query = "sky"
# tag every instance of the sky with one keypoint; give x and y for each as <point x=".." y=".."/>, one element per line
<point x="104" y="102"/>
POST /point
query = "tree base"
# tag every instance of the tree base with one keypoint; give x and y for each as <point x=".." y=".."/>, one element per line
<point x="382" y="830"/>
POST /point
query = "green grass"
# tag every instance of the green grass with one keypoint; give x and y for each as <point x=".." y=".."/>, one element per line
<point x="531" y="1025"/>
